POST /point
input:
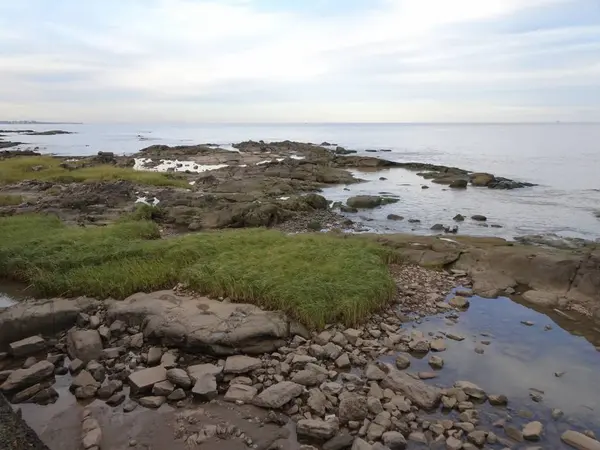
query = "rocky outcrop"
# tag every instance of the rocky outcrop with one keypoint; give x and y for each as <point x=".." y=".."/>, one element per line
<point x="369" y="201"/>
<point x="203" y="325"/>
<point x="46" y="317"/>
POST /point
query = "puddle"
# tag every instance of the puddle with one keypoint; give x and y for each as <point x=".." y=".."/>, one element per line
<point x="520" y="358"/>
<point x="11" y="293"/>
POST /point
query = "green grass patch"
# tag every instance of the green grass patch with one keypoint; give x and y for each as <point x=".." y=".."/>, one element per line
<point x="47" y="168"/>
<point x="10" y="200"/>
<point x="316" y="278"/>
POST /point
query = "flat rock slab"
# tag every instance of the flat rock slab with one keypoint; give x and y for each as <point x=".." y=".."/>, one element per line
<point x="240" y="392"/>
<point x="46" y="317"/>
<point x="146" y="378"/>
<point x="278" y="395"/>
<point x="241" y="364"/>
<point x="579" y="441"/>
<point x="85" y="345"/>
<point x="23" y="378"/>
<point x="202" y="324"/>
<point x="424" y="395"/>
<point x="27" y="346"/>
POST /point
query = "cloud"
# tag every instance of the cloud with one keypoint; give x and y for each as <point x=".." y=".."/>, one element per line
<point x="316" y="60"/>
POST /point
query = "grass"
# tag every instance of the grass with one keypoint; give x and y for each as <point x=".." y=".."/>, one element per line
<point x="10" y="200"/>
<point x="47" y="168"/>
<point x="315" y="278"/>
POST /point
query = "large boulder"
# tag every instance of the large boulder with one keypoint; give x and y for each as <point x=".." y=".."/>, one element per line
<point x="369" y="201"/>
<point x="202" y="325"/>
<point x="45" y="317"/>
<point x="481" y="179"/>
<point x="23" y="378"/>
<point x="85" y="345"/>
<point x="418" y="392"/>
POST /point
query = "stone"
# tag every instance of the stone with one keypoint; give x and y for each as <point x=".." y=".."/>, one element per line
<point x="438" y="345"/>
<point x="144" y="379"/>
<point x="427" y="375"/>
<point x="498" y="400"/>
<point x="479" y="350"/>
<point x="92" y="439"/>
<point x="320" y="430"/>
<point x="361" y="444"/>
<point x="455" y="337"/>
<point x="84" y="379"/>
<point x="353" y="407"/>
<point x="308" y="377"/>
<point x="477" y="438"/>
<point x="118" y="326"/>
<point x="97" y="370"/>
<point x="322" y="338"/>
<point x="402" y="362"/>
<point x="45" y="397"/>
<point x="533" y="431"/>
<point x="278" y="395"/>
<point x="513" y="433"/>
<point x="137" y="340"/>
<point x="459" y="302"/>
<point x="85" y="345"/>
<point x="22" y="378"/>
<point x="107" y="390"/>
<point x="105" y="333"/>
<point x="75" y="366"/>
<point x="163" y="389"/>
<point x="4" y="374"/>
<point x="27" y="346"/>
<point x="369" y="201"/>
<point x="418" y="392"/>
<point x="152" y="402"/>
<point x="394" y="440"/>
<point x="374" y="373"/>
<point x="332" y="388"/>
<point x="374" y="405"/>
<point x="205" y="387"/>
<point x="352" y="335"/>
<point x="343" y="362"/>
<point x="240" y="393"/>
<point x="197" y="323"/>
<point x="419" y="345"/>
<point x="154" y="356"/>
<point x="479" y="218"/>
<point x="332" y="351"/>
<point x="240" y="364"/>
<point x="579" y="441"/>
<point x="26" y="393"/>
<point x="112" y="353"/>
<point x="342" y="441"/>
<point x="375" y="431"/>
<point x="94" y="322"/>
<point x="168" y="360"/>
<point x="177" y="395"/>
<point x="30" y="362"/>
<point x="417" y="436"/>
<point x="86" y="392"/>
<point x="453" y="444"/>
<point x="179" y="377"/>
<point x="557" y="414"/>
<point x="317" y="402"/>
<point x="129" y="406"/>
<point x="436" y="362"/>
<point x="449" y="402"/>
<point x="471" y="389"/>
<point x="58" y="359"/>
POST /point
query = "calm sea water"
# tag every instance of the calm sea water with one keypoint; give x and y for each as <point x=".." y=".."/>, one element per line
<point x="564" y="159"/>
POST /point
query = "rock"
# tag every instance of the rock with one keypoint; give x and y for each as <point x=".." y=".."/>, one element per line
<point x="579" y="441"/>
<point x="459" y="302"/>
<point x="163" y="389"/>
<point x="477" y="438"/>
<point x="169" y="360"/>
<point x="179" y="377"/>
<point x="479" y="218"/>
<point x="92" y="439"/>
<point x="369" y="201"/>
<point x="533" y="431"/>
<point x="239" y="364"/>
<point x="30" y="362"/>
<point x="352" y="335"/>
<point x="240" y="393"/>
<point x="541" y="298"/>
<point x="129" y="406"/>
<point x="332" y="388"/>
<point x="498" y="400"/>
<point x="360" y="444"/>
<point x="308" y="377"/>
<point x="144" y="379"/>
<point x="75" y="366"/>
<point x="26" y="393"/>
<point x="85" y="345"/>
<point x="4" y="374"/>
<point x="45" y="397"/>
<point x="437" y="227"/>
<point x="94" y="322"/>
<point x="22" y="378"/>
<point x="438" y="345"/>
<point x="197" y="324"/>
<point x="394" y="440"/>
<point x="278" y="395"/>
<point x="154" y="356"/>
<point x="205" y="387"/>
<point x="481" y="179"/>
<point x="137" y="340"/>
<point x="423" y="395"/>
<point x="317" y="429"/>
<point x="332" y="351"/>
<point x="419" y="346"/>
<point x="449" y="402"/>
<point x="375" y="431"/>
<point x="84" y="379"/>
<point x="112" y="353"/>
<point x="453" y="444"/>
<point x="109" y="389"/>
<point x="374" y="405"/>
<point x="557" y="414"/>
<point x="458" y="218"/>
<point x="177" y="395"/>
<point x="57" y="359"/>
<point x="479" y="350"/>
<point x="374" y="373"/>
<point x="458" y="184"/>
<point x="86" y="392"/>
<point x="455" y="337"/>
<point x="513" y="433"/>
<point x="427" y="375"/>
<point x="152" y="402"/>
<point x="353" y="407"/>
<point x="104" y="333"/>
<point x="27" y="346"/>
<point x="436" y="362"/>
<point x="395" y="217"/>
<point x="402" y="362"/>
<point x="471" y="389"/>
<point x="97" y="371"/>
<point x="317" y="402"/>
<point x="343" y="362"/>
<point x="340" y="442"/>
<point x="417" y="436"/>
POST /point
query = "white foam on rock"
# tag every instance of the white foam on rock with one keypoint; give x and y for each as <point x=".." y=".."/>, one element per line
<point x="167" y="165"/>
<point x="146" y="201"/>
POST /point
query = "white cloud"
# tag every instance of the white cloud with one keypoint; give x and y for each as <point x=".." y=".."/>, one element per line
<point x="231" y="61"/>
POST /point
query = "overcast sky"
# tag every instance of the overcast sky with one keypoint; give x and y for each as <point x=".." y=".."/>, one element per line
<point x="300" y="60"/>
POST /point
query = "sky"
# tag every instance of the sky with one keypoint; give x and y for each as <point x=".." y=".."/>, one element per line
<point x="300" y="60"/>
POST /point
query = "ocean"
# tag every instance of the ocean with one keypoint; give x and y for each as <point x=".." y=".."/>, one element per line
<point x="563" y="159"/>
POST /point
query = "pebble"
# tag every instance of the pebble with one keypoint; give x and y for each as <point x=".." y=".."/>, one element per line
<point x="455" y="337"/>
<point x="528" y="323"/>
<point x="436" y="362"/>
<point x="533" y="431"/>
<point x="479" y="350"/>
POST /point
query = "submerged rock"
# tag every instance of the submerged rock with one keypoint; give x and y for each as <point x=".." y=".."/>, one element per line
<point x="579" y="441"/>
<point x="420" y="393"/>
<point x="369" y="201"/>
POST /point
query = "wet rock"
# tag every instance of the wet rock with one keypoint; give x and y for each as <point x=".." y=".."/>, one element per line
<point x="395" y="217"/>
<point x="240" y="393"/>
<point x="26" y="393"/>
<point x="557" y="414"/>
<point x="152" y="402"/>
<point x="471" y="389"/>
<point x="438" y="345"/>
<point x="58" y="359"/>
<point x="86" y="392"/>
<point x="129" y="406"/>
<point x="85" y="345"/>
<point x="458" y="218"/>
<point x="479" y="350"/>
<point x="353" y="407"/>
<point x="459" y="302"/>
<point x="455" y="337"/>
<point x="419" y="346"/>
<point x="75" y="366"/>
<point x="22" y="378"/>
<point x="177" y="395"/>
<point x="163" y="389"/>
<point x="369" y="201"/>
<point x="179" y="377"/>
<point x="317" y="429"/>
<point x="154" y="356"/>
<point x="579" y="441"/>
<point x="528" y="323"/>
<point x="374" y="373"/>
<point x="533" y="431"/>
<point x="27" y="346"/>
<point x="84" y="379"/>
<point x="239" y="364"/>
<point x="436" y="362"/>
<point x="97" y="370"/>
<point x="92" y="439"/>
<point x="29" y="362"/>
<point x="45" y="396"/>
<point x="437" y="227"/>
<point x="477" y="438"/>
<point x="417" y="436"/>
<point x="449" y="402"/>
<point x="402" y="362"/>
<point x="513" y="433"/>
<point x="453" y="444"/>
<point x="144" y="379"/>
<point x="458" y="184"/>
<point x="340" y="442"/>
<point x="479" y="218"/>
<point x="423" y="395"/>
<point x="278" y="395"/>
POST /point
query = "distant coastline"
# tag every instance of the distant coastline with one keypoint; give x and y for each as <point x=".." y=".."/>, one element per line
<point x="35" y="122"/>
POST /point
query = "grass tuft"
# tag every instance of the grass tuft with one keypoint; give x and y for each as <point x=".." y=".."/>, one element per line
<point x="315" y="278"/>
<point x="47" y="168"/>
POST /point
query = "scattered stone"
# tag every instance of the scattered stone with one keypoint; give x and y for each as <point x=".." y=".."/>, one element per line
<point x="374" y="373"/>
<point x="459" y="302"/>
<point x="137" y="340"/>
<point x="163" y="389"/>
<point x="402" y="362"/>
<point x="97" y="371"/>
<point x="479" y="350"/>
<point x="240" y="393"/>
<point x="477" y="438"/>
<point x="353" y="407"/>
<point x="395" y="217"/>
<point x="22" y="378"/>
<point x="112" y="353"/>
<point x="179" y="377"/>
<point x="109" y="389"/>
<point x="557" y="414"/>
<point x="498" y="400"/>
<point x="278" y="395"/>
<point x="342" y="441"/>
<point x="374" y="405"/>
<point x="86" y="392"/>
<point x="144" y="379"/>
<point x="168" y="360"/>
<point x="84" y="379"/>
<point x="479" y="218"/>
<point x="154" y="356"/>
<point x="239" y="364"/>
<point x="177" y="395"/>
<point x="579" y="441"/>
<point x="419" y="346"/>
<point x="129" y="406"/>
<point x="317" y="429"/>
<point x="84" y="344"/>
<point x="352" y="335"/>
<point x="528" y="323"/>
<point x="559" y="374"/>
<point x="27" y="346"/>
<point x="423" y="395"/>
<point x="455" y="337"/>
<point x="343" y="362"/>
<point x="27" y="393"/>
<point x="417" y="436"/>
<point x="533" y="431"/>
<point x="471" y="389"/>
<point x="436" y="362"/>
<point x="449" y="402"/>
<point x="361" y="444"/>
<point x="453" y="444"/>
<point x="152" y="402"/>
<point x="513" y="433"/>
<point x="29" y="362"/>
<point x="438" y="345"/>
<point x="75" y="366"/>
<point x="94" y="322"/>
